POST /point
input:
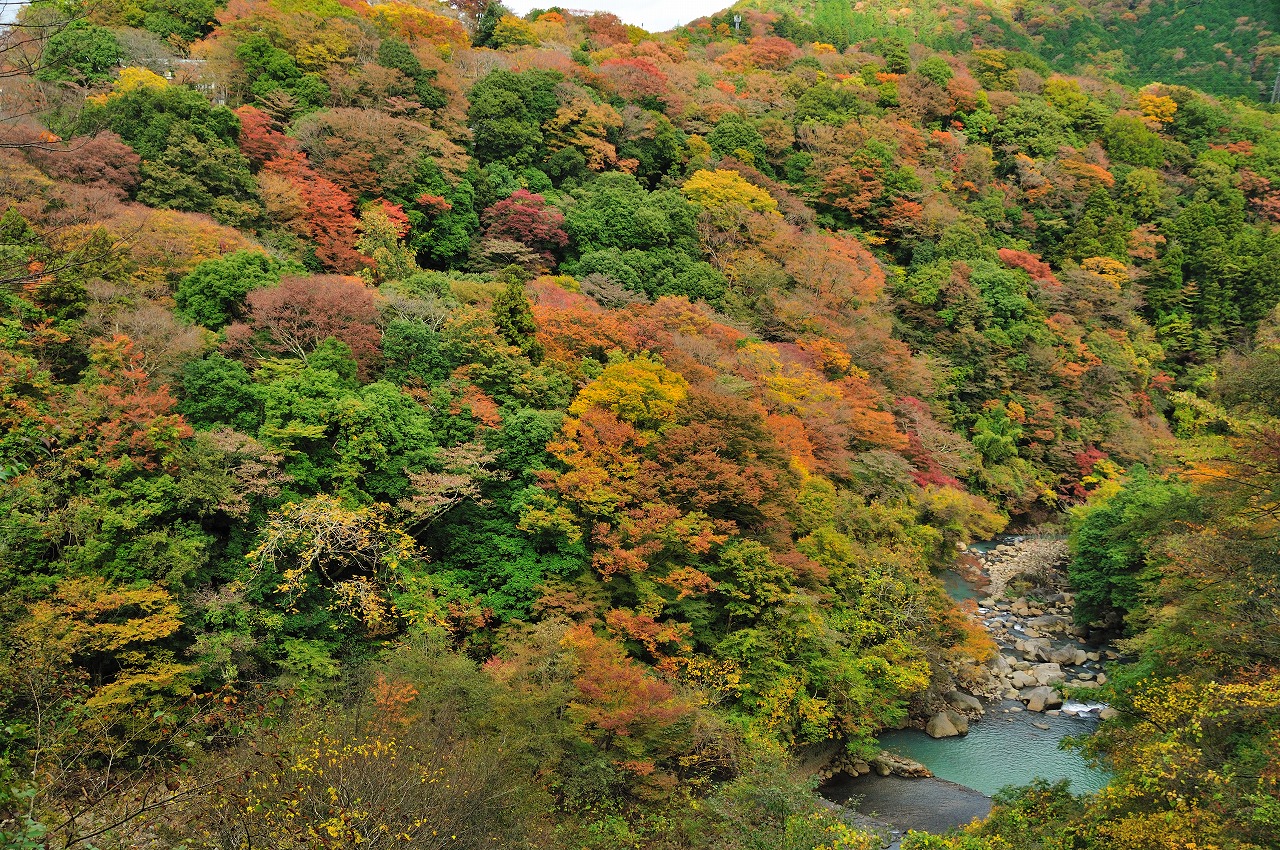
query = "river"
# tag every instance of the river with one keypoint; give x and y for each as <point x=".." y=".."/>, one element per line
<point x="1008" y="746"/>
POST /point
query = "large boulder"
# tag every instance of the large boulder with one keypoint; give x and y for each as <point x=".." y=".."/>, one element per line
<point x="961" y="701"/>
<point x="1036" y="649"/>
<point x="900" y="766"/>
<point x="1048" y="674"/>
<point x="1049" y="622"/>
<point x="998" y="664"/>
<point x="1038" y="699"/>
<point x="940" y="726"/>
<point x="1021" y="679"/>
<point x="1063" y="655"/>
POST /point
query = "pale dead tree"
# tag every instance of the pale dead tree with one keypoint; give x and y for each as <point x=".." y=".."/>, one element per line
<point x="464" y="469"/>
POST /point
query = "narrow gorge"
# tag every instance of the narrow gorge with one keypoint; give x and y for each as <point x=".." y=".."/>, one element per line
<point x="995" y="722"/>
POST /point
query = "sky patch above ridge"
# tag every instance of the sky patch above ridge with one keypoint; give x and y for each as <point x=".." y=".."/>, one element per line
<point x="653" y="16"/>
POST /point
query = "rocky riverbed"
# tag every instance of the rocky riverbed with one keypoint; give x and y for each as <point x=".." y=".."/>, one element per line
<point x="1041" y="651"/>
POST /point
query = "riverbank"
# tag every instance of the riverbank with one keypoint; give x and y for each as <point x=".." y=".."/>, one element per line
<point x="890" y="806"/>
<point x="995" y="722"/>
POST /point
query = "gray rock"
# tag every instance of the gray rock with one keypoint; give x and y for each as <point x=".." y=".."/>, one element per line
<point x="1042" y="726"/>
<point x="940" y="726"/>
<point x="1038" y="699"/>
<point x="961" y="701"/>
<point x="1049" y="622"/>
<point x="1048" y="674"/>
<point x="959" y="721"/>
<point x="1021" y="680"/>
<point x="1063" y="655"/>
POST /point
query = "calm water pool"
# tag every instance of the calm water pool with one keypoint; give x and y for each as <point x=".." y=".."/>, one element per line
<point x="999" y="752"/>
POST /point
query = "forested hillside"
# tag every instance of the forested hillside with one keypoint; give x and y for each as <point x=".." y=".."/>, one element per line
<point x="1223" y="47"/>
<point x="429" y="427"/>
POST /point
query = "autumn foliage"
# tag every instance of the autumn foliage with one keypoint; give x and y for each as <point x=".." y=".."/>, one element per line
<point x="430" y="425"/>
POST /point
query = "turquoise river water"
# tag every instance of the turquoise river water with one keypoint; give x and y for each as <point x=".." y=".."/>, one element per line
<point x="1003" y="749"/>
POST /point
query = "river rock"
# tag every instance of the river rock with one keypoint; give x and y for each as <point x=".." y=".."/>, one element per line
<point x="1038" y="699"/>
<point x="1063" y="655"/>
<point x="1021" y="679"/>
<point x="940" y="726"/>
<point x="1048" y="674"/>
<point x="961" y="701"/>
<point x="1041" y="726"/>
<point x="1049" y="623"/>
<point x="1108" y="713"/>
<point x="1101" y="679"/>
<point x="999" y="664"/>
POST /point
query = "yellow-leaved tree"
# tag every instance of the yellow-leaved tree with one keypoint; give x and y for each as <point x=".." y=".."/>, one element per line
<point x="93" y="697"/>
<point x="640" y="390"/>
<point x="345" y="560"/>
<point x="727" y="198"/>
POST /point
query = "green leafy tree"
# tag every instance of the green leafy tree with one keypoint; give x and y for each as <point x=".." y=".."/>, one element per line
<point x="1128" y="140"/>
<point x="270" y="69"/>
<point x="513" y="318"/>
<point x="79" y="53"/>
<point x="213" y="293"/>
<point x="733" y="136"/>
<point x="507" y="112"/>
<point x="188" y="147"/>
<point x="1113" y="538"/>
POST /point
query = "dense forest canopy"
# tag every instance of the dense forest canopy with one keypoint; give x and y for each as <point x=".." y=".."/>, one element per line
<point x="426" y="426"/>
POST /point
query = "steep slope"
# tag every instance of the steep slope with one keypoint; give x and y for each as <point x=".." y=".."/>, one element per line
<point x="422" y="421"/>
<point x="1223" y="47"/>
